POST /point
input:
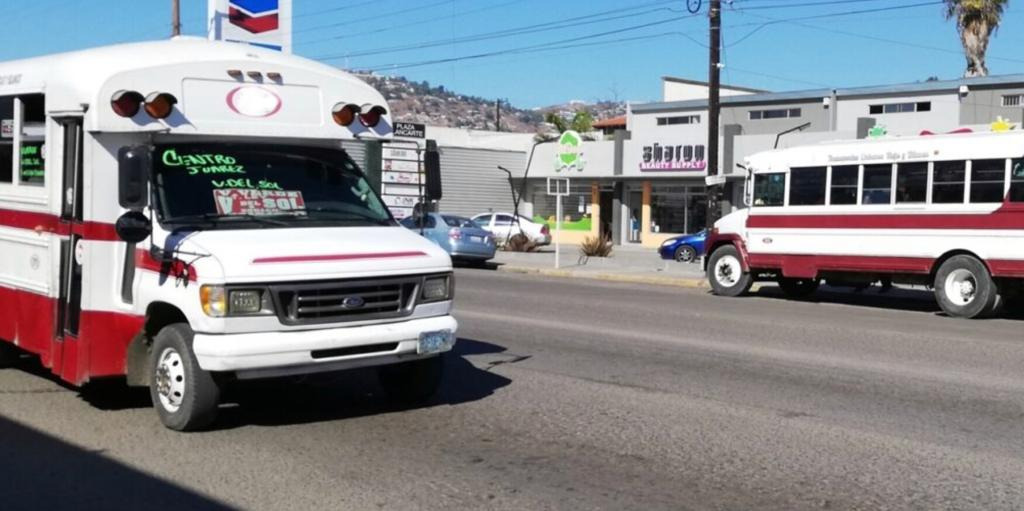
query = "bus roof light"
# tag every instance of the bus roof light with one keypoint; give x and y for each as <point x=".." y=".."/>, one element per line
<point x="235" y="73"/>
<point x="126" y="103"/>
<point x="160" y="104"/>
<point x="255" y="75"/>
<point x="273" y="75"/>
<point x="371" y="115"/>
<point x="344" y="113"/>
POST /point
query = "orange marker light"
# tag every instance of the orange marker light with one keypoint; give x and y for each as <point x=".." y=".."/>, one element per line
<point x="344" y="114"/>
<point x="160" y="104"/>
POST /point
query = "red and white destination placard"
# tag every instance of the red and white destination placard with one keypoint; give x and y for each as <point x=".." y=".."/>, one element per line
<point x="401" y="178"/>
<point x="401" y="165"/>
<point x="241" y="201"/>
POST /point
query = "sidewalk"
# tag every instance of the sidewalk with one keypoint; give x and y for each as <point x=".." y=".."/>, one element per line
<point x="627" y="263"/>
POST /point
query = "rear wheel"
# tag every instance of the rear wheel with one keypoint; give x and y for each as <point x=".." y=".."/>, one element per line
<point x="964" y="288"/>
<point x="9" y="354"/>
<point x="798" y="288"/>
<point x="185" y="396"/>
<point x="412" y="382"/>
<point x="685" y="254"/>
<point x="725" y="273"/>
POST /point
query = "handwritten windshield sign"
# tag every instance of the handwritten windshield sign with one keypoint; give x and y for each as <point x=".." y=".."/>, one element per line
<point x="207" y="163"/>
<point x="240" y="201"/>
<point x="32" y="162"/>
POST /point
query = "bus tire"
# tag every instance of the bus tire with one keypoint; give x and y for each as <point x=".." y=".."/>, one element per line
<point x="185" y="396"/>
<point x="412" y="382"/>
<point x="9" y="354"/>
<point x="725" y="273"/>
<point x="964" y="288"/>
<point x="798" y="288"/>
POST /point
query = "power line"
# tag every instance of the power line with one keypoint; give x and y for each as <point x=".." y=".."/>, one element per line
<point x="385" y="15"/>
<point x="529" y="29"/>
<point x="337" y="9"/>
<point x="804" y="4"/>
<point x="393" y="27"/>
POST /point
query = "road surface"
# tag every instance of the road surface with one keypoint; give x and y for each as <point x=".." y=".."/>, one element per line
<point x="572" y="394"/>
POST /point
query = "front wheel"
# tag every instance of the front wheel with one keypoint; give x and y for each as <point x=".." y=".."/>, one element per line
<point x="185" y="396"/>
<point x="725" y="272"/>
<point x="412" y="382"/>
<point x="964" y="288"/>
<point x="685" y="254"/>
<point x="9" y="354"/>
<point x="798" y="288"/>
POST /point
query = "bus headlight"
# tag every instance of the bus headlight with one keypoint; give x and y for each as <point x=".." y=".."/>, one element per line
<point x="436" y="289"/>
<point x="219" y="302"/>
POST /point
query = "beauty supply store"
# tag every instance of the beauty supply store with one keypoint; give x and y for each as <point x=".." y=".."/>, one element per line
<point x="639" y="191"/>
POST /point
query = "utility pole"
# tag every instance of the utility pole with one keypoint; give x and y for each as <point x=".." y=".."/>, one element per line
<point x="497" y="115"/>
<point x="714" y="189"/>
<point x="175" y="18"/>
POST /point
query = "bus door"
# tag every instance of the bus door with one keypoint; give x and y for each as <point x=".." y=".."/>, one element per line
<point x="73" y="357"/>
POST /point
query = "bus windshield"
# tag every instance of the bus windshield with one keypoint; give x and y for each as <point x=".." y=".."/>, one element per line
<point x="229" y="186"/>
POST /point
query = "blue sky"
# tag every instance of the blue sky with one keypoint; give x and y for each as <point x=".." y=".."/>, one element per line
<point x="769" y="44"/>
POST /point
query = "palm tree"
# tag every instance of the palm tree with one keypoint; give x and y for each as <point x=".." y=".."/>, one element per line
<point x="976" y="20"/>
<point x="582" y="122"/>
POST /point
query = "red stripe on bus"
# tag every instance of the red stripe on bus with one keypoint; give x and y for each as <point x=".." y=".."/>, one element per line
<point x="176" y="268"/>
<point x="46" y="222"/>
<point x="335" y="257"/>
<point x="1006" y="218"/>
<point x="808" y="266"/>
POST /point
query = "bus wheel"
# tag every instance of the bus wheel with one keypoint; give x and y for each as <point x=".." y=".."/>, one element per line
<point x="185" y="396"/>
<point x="798" y="288"/>
<point x="8" y="354"/>
<point x="685" y="254"/>
<point x="412" y="382"/>
<point x="725" y="273"/>
<point x="964" y="288"/>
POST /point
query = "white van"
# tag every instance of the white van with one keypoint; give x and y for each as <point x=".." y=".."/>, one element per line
<point x="181" y="213"/>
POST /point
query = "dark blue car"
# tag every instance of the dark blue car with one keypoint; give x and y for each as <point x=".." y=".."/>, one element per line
<point x="686" y="248"/>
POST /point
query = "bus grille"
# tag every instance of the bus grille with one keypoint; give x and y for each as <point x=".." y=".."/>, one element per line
<point x="346" y="300"/>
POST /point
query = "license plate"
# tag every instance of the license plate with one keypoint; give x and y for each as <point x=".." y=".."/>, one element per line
<point x="476" y="239"/>
<point x="435" y="342"/>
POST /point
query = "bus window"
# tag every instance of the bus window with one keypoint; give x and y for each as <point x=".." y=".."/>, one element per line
<point x="844" y="185"/>
<point x="987" y="180"/>
<point x="948" y="182"/>
<point x="769" y="189"/>
<point x="911" y="182"/>
<point x="1017" y="180"/>
<point x="807" y="186"/>
<point x="877" y="184"/>
<point x="7" y="140"/>
<point x="31" y="162"/>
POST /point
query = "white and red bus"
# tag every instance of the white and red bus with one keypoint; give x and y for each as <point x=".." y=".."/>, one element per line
<point x="945" y="211"/>
<point x="182" y="213"/>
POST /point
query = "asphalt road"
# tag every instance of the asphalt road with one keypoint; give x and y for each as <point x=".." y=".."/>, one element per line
<point x="570" y="394"/>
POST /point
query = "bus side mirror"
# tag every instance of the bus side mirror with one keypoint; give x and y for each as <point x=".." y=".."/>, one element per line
<point x="133" y="227"/>
<point x="133" y="166"/>
<point x="432" y="168"/>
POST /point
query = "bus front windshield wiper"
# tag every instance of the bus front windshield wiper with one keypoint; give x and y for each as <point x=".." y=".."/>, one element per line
<point x="214" y="218"/>
<point x="348" y="214"/>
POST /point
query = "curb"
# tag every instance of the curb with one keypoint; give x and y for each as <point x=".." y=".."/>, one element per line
<point x="686" y="282"/>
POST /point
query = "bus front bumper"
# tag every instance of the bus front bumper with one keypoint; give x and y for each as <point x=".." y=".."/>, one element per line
<point x="273" y="354"/>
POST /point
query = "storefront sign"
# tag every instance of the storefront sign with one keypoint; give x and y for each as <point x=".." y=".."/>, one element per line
<point x="657" y="157"/>
<point x="570" y="152"/>
<point x="410" y="130"/>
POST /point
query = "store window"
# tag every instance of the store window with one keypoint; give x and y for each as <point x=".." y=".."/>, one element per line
<point x="678" y="208"/>
<point x="1017" y="180"/>
<point x="807" y="186"/>
<point x="769" y="189"/>
<point x="877" y="184"/>
<point x="988" y="178"/>
<point x="844" y="185"/>
<point x="911" y="182"/>
<point x="948" y="182"/>
<point x="576" y="206"/>
<point x="899" y="108"/>
<point x="781" y="113"/>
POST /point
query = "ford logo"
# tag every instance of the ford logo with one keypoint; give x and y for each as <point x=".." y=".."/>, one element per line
<point x="353" y="302"/>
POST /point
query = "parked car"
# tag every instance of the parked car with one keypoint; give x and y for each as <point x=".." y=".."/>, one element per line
<point x="462" y="238"/>
<point x="503" y="226"/>
<point x="685" y="249"/>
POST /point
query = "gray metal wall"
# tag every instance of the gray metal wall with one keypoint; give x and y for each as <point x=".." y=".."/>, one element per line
<point x="982" y="106"/>
<point x="356" y="150"/>
<point x="472" y="181"/>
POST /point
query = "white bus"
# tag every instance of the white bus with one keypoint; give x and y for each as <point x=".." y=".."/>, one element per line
<point x="945" y="211"/>
<point x="182" y="213"/>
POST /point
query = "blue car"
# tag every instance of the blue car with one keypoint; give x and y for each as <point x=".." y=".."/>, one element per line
<point x="461" y="237"/>
<point x="686" y="248"/>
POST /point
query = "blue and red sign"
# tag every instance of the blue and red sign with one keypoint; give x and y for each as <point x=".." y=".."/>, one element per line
<point x="255" y="16"/>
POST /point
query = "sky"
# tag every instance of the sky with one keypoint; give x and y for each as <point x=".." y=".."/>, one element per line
<point x="542" y="52"/>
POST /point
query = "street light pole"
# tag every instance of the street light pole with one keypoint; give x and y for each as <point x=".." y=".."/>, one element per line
<point x="175" y="18"/>
<point x="714" y="186"/>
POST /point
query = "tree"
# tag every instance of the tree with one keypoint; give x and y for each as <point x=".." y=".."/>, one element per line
<point x="582" y="122"/>
<point x="976" y="21"/>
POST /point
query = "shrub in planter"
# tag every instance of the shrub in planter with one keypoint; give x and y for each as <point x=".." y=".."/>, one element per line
<point x="596" y="246"/>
